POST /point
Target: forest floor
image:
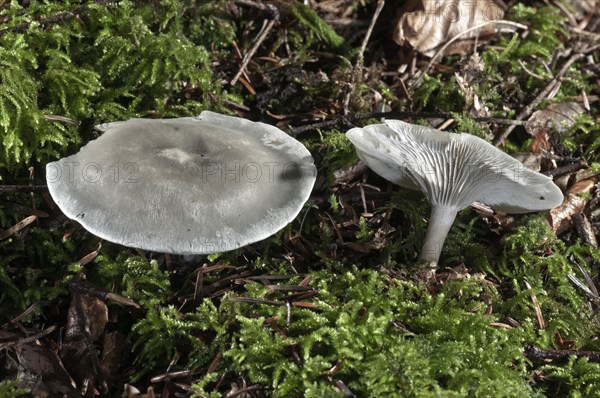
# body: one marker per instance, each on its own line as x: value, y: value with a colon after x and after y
x: 336, y: 304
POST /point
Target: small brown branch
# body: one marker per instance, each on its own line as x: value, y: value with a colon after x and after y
x: 22, y: 188
x: 534, y: 353
x: 27, y: 340
x: 350, y: 120
x: 17, y: 227
x: 262, y: 35
x: 87, y: 289
x: 537, y: 308
x: 585, y: 229
x: 530, y: 73
x: 360, y: 60
x: 567, y: 169
x: 358, y: 67
x: 528, y: 110
x: 21, y: 316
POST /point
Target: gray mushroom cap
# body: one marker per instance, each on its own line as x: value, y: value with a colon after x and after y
x: 452, y: 170
x: 194, y: 185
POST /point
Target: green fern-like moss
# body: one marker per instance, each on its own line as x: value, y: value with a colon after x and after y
x: 11, y: 389
x: 127, y: 59
x: 387, y: 338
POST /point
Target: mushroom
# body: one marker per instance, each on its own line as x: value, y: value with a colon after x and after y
x: 453, y: 171
x: 193, y: 185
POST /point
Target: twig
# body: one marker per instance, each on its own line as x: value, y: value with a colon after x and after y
x: 29, y: 339
x: 585, y: 229
x: 530, y: 73
x: 360, y: 60
x: 22, y: 188
x: 90, y: 290
x: 350, y: 120
x: 24, y: 209
x: 244, y: 391
x: 259, y: 39
x: 17, y: 227
x: 21, y: 316
x: 528, y: 110
x: 567, y: 169
x: 358, y: 67
x: 534, y: 353
x: 536, y: 307
x: 591, y: 49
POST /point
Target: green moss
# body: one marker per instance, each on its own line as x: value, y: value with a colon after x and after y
x: 364, y: 234
x: 164, y: 331
x: 125, y: 60
x: 577, y: 378
x: 315, y: 29
x: 132, y: 277
x: 11, y: 389
x: 332, y: 151
x: 33, y: 267
x: 585, y: 132
x: 386, y: 337
x: 440, y: 94
x: 533, y: 254
x: 465, y: 124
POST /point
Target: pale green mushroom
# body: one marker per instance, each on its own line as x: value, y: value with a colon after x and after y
x: 453, y: 171
x: 193, y: 185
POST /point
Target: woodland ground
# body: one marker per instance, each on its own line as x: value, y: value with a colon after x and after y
x: 333, y: 305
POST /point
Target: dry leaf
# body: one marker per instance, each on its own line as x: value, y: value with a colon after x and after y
x: 557, y: 117
x: 86, y: 320
x: 87, y: 317
x: 427, y: 25
x: 43, y: 362
x: 113, y: 347
x: 561, y: 217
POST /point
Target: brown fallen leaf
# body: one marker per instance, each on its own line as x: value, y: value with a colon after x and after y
x: 87, y: 317
x: 427, y: 25
x: 42, y: 361
x: 86, y: 321
x: 561, y: 217
x: 113, y: 346
x: 555, y: 118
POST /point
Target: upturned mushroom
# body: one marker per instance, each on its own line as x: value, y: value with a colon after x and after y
x: 453, y: 171
x: 193, y: 185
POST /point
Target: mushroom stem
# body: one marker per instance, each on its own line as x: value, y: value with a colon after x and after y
x: 440, y: 221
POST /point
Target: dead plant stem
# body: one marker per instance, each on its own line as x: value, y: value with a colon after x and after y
x: 358, y: 67
x: 262, y: 35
